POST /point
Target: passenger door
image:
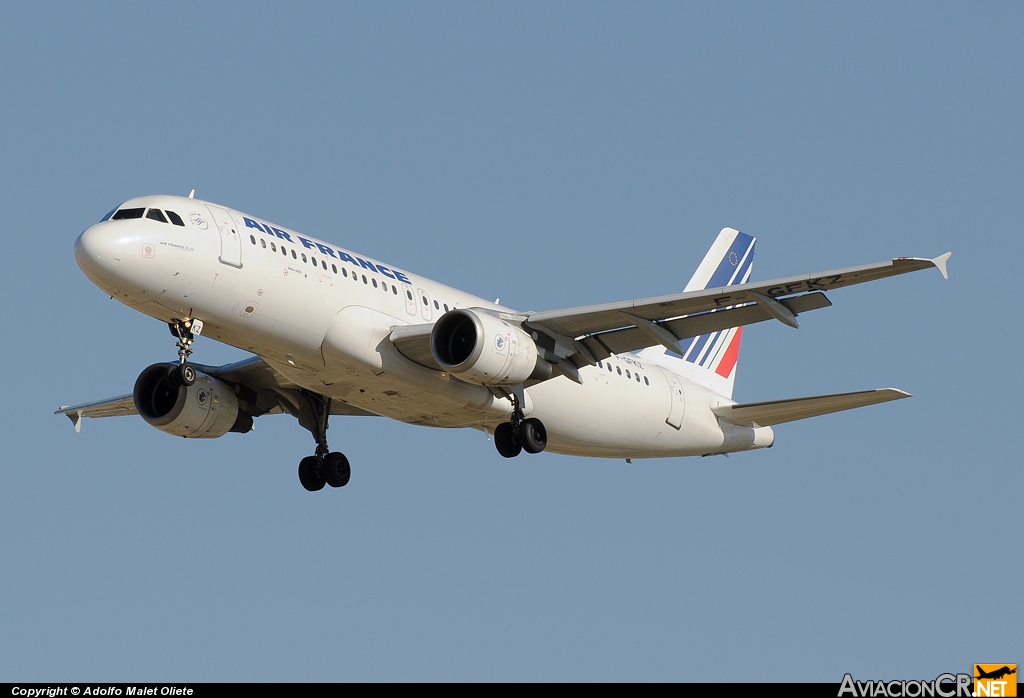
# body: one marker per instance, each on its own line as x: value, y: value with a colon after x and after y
x: 230, y: 240
x: 675, y: 409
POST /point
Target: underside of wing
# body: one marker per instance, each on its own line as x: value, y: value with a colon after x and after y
x: 258, y: 388
x: 114, y: 407
x: 629, y: 325
x: 766, y: 414
x: 413, y: 342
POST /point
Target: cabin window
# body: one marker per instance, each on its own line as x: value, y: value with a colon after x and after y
x: 446, y: 307
x: 409, y: 294
x: 375, y: 283
x: 394, y: 289
x: 425, y: 302
x: 294, y: 256
x: 126, y: 213
x: 638, y: 378
x: 323, y: 264
x: 600, y: 365
x: 618, y: 370
x: 156, y: 214
x: 273, y: 247
x: 646, y: 382
x: 627, y: 374
x: 175, y: 218
x: 364, y: 278
x: 609, y: 368
x: 252, y: 239
x: 334, y: 268
x: 303, y: 257
x: 263, y: 243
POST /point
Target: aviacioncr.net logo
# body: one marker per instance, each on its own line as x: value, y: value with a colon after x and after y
x: 944, y: 686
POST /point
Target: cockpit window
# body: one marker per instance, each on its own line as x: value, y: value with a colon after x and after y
x: 109, y: 214
x: 156, y: 214
x: 126, y: 213
x: 175, y: 218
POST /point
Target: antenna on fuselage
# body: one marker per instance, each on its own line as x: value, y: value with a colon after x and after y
x: 192, y: 194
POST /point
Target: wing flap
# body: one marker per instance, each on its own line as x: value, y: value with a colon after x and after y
x: 633, y: 338
x: 766, y: 414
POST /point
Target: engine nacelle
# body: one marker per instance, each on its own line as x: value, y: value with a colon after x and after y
x: 204, y: 410
x: 483, y: 349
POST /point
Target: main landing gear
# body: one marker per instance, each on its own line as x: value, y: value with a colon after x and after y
x: 323, y: 468
x: 513, y: 437
x: 186, y: 331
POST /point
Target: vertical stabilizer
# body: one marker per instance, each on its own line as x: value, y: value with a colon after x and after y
x: 711, y: 359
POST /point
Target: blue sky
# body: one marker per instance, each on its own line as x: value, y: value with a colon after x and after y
x: 552, y: 155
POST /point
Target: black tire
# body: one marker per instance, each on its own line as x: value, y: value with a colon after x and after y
x: 507, y: 445
x: 533, y: 435
x: 336, y: 469
x: 187, y: 374
x: 308, y: 475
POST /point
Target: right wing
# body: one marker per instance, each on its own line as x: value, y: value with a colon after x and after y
x: 765, y: 414
x: 115, y: 407
x: 259, y: 388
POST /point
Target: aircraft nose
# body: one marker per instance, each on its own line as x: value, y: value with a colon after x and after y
x: 99, y: 250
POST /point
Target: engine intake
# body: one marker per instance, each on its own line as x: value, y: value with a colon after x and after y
x: 205, y: 410
x: 486, y: 350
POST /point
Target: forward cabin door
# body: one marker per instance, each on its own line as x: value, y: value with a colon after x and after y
x: 230, y: 240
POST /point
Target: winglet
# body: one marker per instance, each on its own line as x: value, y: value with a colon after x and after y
x: 940, y: 262
x: 76, y: 419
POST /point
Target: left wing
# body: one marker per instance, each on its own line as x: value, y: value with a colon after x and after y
x: 590, y: 333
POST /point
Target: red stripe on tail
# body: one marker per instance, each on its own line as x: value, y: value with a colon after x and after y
x: 728, y: 362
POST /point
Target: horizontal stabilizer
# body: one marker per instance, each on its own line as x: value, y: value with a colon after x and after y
x: 765, y: 414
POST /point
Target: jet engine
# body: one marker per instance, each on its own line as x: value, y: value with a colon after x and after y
x: 204, y: 410
x: 483, y: 349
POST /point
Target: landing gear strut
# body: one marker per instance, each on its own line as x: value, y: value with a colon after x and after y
x: 513, y: 437
x: 186, y: 331
x: 323, y: 468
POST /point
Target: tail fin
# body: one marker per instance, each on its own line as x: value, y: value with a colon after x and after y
x: 710, y: 359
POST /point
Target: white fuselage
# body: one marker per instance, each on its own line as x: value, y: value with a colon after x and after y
x: 321, y: 316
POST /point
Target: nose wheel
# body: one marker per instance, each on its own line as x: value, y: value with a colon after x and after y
x: 324, y: 467
x: 518, y: 434
x: 186, y: 331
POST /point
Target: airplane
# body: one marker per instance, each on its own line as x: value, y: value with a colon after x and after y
x: 334, y: 333
x: 996, y: 674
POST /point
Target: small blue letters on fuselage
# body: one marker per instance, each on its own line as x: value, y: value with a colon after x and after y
x: 340, y: 255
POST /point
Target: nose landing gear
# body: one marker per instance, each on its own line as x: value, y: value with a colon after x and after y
x: 186, y: 331
x: 325, y: 467
x: 517, y: 435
